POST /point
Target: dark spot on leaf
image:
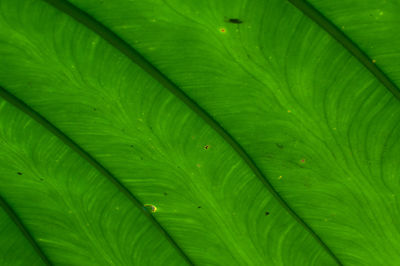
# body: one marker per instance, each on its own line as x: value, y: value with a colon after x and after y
x: 266, y: 213
x: 206, y: 147
x: 19, y: 173
x: 199, y: 207
x: 41, y: 179
x: 94, y: 109
x: 165, y: 193
x: 280, y: 146
x: 235, y: 21
x: 131, y: 146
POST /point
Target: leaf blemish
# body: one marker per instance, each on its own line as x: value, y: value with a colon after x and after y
x: 19, y: 173
x: 266, y: 213
x: 199, y: 207
x: 206, y: 147
x: 235, y: 21
x: 150, y: 207
x: 280, y: 146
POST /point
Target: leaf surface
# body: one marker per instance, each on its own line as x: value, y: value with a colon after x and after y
x: 168, y: 133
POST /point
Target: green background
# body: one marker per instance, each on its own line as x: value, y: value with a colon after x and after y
x: 274, y: 141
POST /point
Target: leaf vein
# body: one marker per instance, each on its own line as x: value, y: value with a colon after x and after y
x: 121, y: 45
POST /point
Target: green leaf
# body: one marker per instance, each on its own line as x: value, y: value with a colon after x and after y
x: 175, y: 132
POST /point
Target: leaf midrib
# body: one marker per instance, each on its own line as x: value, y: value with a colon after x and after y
x: 20, y: 105
x: 310, y: 11
x: 118, y: 43
x: 25, y: 232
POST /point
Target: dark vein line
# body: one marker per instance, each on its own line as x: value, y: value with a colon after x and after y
x: 347, y: 43
x: 109, y: 36
x: 17, y: 221
x: 86, y: 156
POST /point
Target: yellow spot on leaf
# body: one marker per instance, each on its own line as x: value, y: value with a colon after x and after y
x: 373, y: 61
x: 150, y: 207
x: 280, y: 177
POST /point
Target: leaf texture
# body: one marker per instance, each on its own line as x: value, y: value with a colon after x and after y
x: 161, y: 133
